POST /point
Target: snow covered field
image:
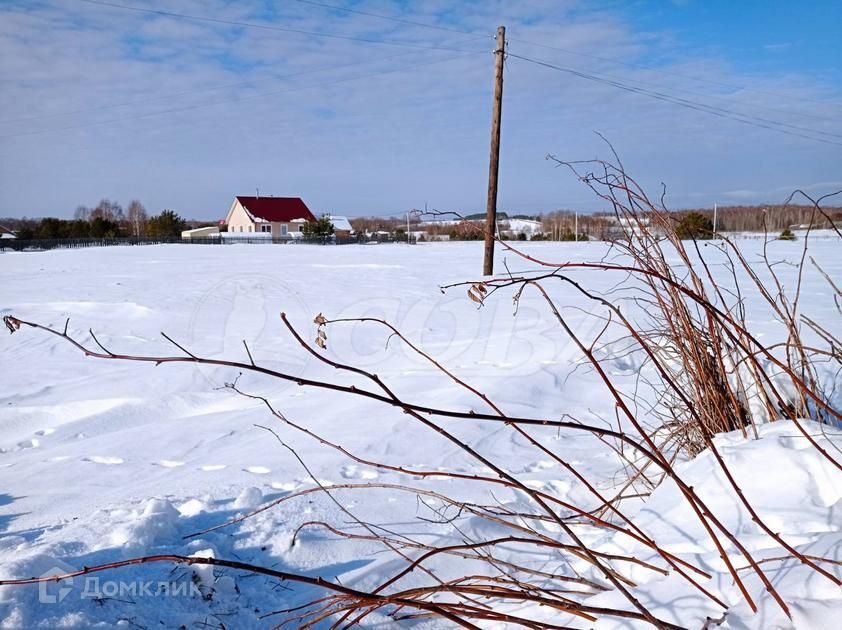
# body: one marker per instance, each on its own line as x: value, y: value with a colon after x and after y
x: 105, y: 460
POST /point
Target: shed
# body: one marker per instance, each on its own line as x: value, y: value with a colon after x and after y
x: 202, y: 232
x: 341, y: 225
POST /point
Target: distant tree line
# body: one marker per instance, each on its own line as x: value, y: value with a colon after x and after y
x: 772, y: 218
x: 559, y: 225
x: 106, y: 220
x: 367, y: 225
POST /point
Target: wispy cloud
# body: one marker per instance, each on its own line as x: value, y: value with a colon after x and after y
x: 100, y: 101
x: 779, y: 193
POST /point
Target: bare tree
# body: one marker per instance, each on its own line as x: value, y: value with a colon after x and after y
x: 82, y: 213
x: 107, y: 209
x: 136, y: 215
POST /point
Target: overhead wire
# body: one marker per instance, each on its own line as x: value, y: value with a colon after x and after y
x: 617, y: 61
x: 793, y: 130
x: 334, y: 7
x: 192, y: 92
x: 758, y: 121
x: 650, y: 68
x: 231, y: 85
x: 233, y: 100
x: 269, y: 27
x: 729, y: 100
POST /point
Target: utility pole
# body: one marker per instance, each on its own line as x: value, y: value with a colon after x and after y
x: 714, y: 219
x: 494, y: 162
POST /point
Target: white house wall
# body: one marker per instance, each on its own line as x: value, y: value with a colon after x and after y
x: 239, y: 220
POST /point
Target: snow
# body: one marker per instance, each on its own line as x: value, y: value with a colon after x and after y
x: 527, y: 226
x: 340, y: 222
x: 233, y: 236
x: 201, y: 232
x: 103, y: 460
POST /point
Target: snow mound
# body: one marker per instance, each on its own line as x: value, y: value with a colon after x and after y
x: 794, y: 489
x: 248, y: 499
x: 156, y: 524
x: 791, y: 485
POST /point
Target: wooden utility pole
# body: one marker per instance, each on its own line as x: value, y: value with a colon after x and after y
x: 494, y: 162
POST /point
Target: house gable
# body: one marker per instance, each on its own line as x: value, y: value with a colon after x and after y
x: 239, y: 219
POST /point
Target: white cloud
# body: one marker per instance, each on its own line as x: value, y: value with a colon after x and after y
x: 103, y: 102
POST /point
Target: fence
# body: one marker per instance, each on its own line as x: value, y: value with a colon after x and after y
x: 44, y: 244
x: 20, y: 245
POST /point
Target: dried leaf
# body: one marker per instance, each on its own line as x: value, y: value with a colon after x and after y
x: 320, y: 319
x: 12, y: 323
x: 321, y: 343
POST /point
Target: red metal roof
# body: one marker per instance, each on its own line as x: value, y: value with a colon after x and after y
x: 277, y: 209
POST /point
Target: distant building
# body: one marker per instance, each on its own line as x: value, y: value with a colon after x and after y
x: 341, y: 226
x: 275, y: 217
x: 514, y: 227
x: 6, y: 232
x: 623, y: 227
x: 202, y: 232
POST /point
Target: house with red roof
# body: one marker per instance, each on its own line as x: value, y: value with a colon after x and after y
x: 275, y: 217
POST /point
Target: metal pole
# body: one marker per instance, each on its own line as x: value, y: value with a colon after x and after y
x: 714, y: 219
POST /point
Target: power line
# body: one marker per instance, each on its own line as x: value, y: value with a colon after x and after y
x: 724, y: 110
x: 675, y: 99
x: 679, y: 75
x: 702, y: 107
x: 270, y: 27
x: 233, y: 100
x: 724, y: 99
x: 200, y: 90
x: 386, y: 17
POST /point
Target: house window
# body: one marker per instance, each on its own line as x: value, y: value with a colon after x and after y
x: 284, y: 230
x: 265, y: 228
x: 241, y: 228
x: 251, y: 228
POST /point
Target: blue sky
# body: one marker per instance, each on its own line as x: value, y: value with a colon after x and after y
x: 101, y: 101
x: 767, y: 36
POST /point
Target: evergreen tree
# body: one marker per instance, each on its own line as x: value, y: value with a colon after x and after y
x: 166, y: 225
x: 694, y: 225
x: 321, y: 228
